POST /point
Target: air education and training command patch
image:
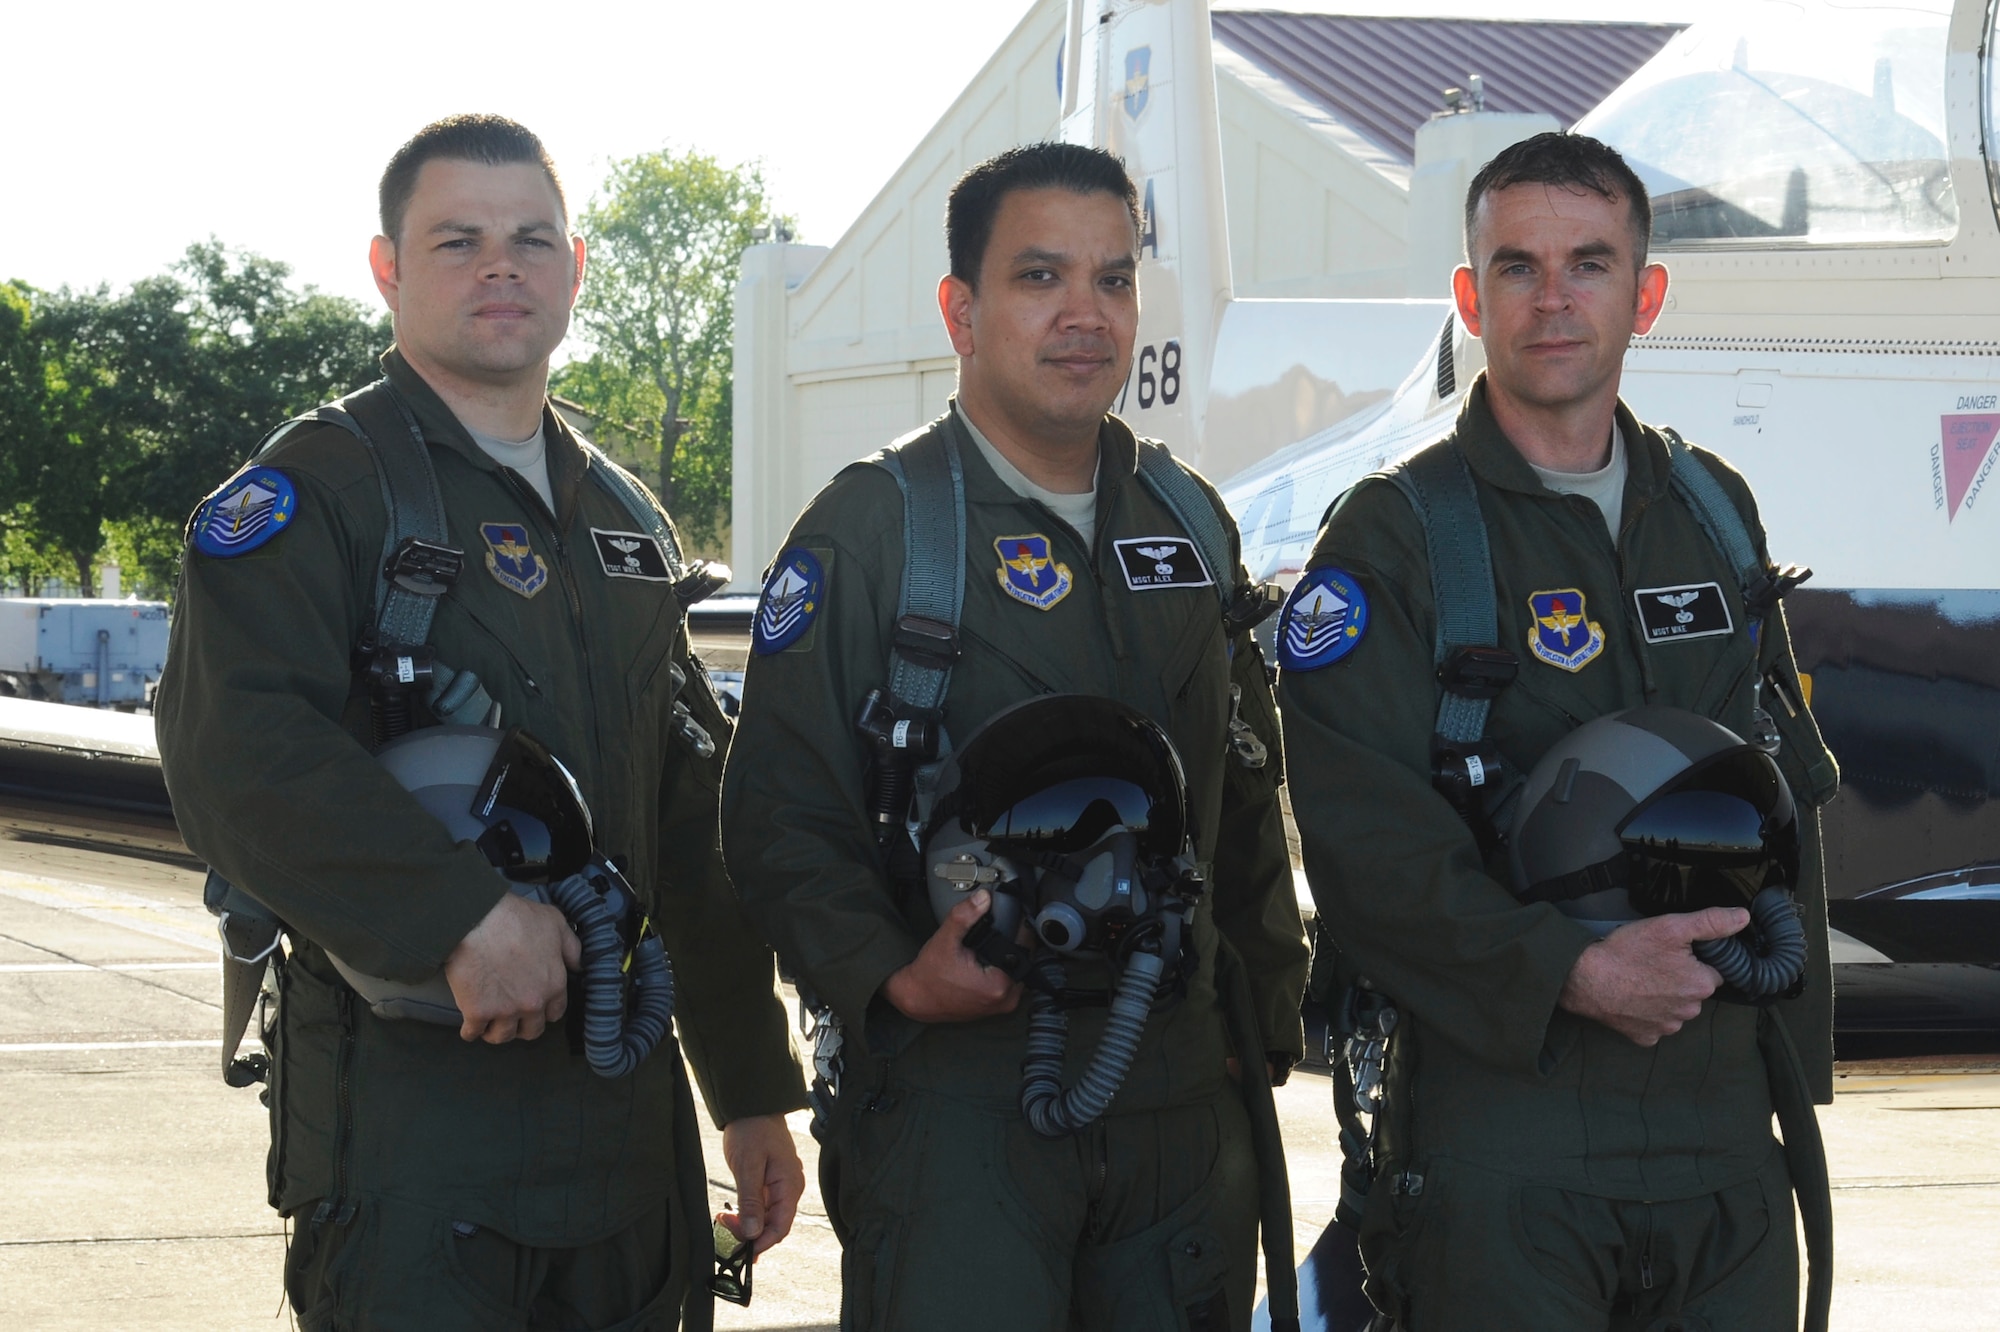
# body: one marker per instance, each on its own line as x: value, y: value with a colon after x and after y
x: 1324, y: 620
x: 1029, y: 573
x: 793, y: 596
x: 509, y: 560
x: 247, y: 512
x: 1562, y: 633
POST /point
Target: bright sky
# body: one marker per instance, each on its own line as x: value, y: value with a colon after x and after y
x: 134, y: 129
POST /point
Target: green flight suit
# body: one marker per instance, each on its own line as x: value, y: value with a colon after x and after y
x: 1515, y: 1131
x: 952, y: 1212
x: 399, y: 1128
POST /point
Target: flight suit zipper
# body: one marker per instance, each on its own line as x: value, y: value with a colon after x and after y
x: 574, y: 597
x: 336, y: 1207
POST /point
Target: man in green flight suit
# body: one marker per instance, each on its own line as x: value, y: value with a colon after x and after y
x: 1576, y: 1134
x: 952, y: 1211
x: 483, y: 1177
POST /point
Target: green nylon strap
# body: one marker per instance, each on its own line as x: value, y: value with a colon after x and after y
x: 931, y: 476
x: 1712, y: 508
x: 1173, y: 487
x: 1439, y: 486
x: 411, y: 501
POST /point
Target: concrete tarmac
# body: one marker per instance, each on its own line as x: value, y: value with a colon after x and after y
x: 132, y: 1179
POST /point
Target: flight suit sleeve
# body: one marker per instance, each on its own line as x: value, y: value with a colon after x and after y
x: 1256, y: 905
x: 1814, y: 777
x: 267, y: 784
x: 1395, y: 873
x: 732, y: 1021
x: 795, y: 826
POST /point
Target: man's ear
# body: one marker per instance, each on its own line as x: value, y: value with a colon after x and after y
x: 1465, y: 293
x: 382, y: 263
x: 955, y: 297
x: 1652, y: 298
x: 576, y: 284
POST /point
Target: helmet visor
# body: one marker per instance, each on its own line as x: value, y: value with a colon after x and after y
x: 1714, y: 837
x: 526, y: 779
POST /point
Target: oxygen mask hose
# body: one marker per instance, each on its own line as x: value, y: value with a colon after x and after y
x: 1052, y: 1110
x: 1777, y: 961
x: 613, y: 1043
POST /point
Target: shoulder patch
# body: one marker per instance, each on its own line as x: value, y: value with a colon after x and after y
x: 794, y: 594
x: 248, y: 511
x: 1325, y: 618
x: 1029, y: 572
x: 1560, y: 631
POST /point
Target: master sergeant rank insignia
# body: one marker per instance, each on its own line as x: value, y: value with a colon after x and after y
x: 1562, y: 633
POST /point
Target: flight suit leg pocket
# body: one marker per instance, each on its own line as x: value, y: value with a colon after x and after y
x: 1394, y: 1225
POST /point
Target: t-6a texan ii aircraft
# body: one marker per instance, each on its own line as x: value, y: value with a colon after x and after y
x: 1824, y: 184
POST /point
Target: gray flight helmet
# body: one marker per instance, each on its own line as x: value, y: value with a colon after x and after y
x: 504, y: 792
x: 1648, y: 811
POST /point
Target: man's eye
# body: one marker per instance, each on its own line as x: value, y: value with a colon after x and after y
x: 1118, y: 281
x: 536, y: 241
x: 1039, y: 275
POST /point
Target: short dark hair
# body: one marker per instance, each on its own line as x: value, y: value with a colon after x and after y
x: 491, y: 140
x: 975, y: 199
x: 1573, y: 162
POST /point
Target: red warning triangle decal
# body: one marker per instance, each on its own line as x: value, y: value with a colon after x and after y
x: 1967, y: 442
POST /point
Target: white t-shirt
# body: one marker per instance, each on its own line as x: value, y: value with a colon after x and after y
x: 1604, y: 487
x: 528, y: 457
x: 1079, y: 511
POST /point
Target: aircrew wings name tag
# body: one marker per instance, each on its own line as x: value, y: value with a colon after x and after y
x: 630, y: 555
x: 1692, y: 610
x: 1166, y: 561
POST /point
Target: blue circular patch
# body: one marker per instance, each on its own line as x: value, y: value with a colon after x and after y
x: 248, y: 511
x: 1324, y: 620
x: 793, y: 597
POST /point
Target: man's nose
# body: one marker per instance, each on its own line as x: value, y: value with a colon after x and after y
x: 497, y: 264
x: 1085, y: 308
x: 1552, y: 292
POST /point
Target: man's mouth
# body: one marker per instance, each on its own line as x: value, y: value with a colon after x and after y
x: 501, y: 310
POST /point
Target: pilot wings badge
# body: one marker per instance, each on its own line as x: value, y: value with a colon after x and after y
x: 248, y: 511
x: 1562, y: 633
x: 1324, y: 620
x: 794, y: 593
x: 1029, y: 573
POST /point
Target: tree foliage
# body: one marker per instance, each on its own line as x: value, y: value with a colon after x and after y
x: 664, y: 241
x: 119, y: 412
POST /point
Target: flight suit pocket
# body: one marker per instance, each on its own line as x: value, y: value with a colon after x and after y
x: 1395, y: 1225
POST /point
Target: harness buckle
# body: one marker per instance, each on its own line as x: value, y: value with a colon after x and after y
x: 925, y: 642
x: 1478, y: 672
x: 424, y: 568
x: 1250, y: 605
x: 1768, y: 588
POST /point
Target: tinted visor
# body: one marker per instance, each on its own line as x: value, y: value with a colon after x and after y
x: 1053, y: 773
x: 525, y: 778
x: 1716, y: 836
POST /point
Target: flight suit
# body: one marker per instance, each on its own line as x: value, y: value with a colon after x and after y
x: 435, y: 1183
x: 1540, y: 1170
x: 952, y: 1212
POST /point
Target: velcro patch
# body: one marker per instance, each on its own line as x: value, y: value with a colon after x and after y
x: 794, y: 594
x: 247, y: 512
x: 631, y: 555
x: 1691, y: 610
x: 1163, y: 561
x: 1323, y: 620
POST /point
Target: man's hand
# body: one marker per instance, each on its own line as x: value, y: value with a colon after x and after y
x: 510, y: 975
x: 1643, y: 980
x: 948, y: 982
x: 769, y: 1179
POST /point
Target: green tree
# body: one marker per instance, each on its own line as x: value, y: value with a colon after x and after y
x: 155, y: 395
x: 657, y: 304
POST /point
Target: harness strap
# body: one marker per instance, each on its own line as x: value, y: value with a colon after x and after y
x: 931, y: 476
x: 622, y: 486
x: 1173, y: 487
x: 1439, y: 486
x: 1712, y: 508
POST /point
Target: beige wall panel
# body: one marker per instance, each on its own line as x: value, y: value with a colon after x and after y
x: 841, y: 420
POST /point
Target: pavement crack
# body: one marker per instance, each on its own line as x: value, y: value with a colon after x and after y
x: 78, y: 1240
x: 139, y: 977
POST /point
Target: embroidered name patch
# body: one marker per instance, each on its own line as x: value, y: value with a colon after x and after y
x: 1324, y: 619
x: 1563, y: 634
x: 1692, y: 610
x: 630, y: 555
x: 247, y: 512
x: 793, y: 595
x: 508, y: 559
x: 1029, y: 573
x: 1167, y: 561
